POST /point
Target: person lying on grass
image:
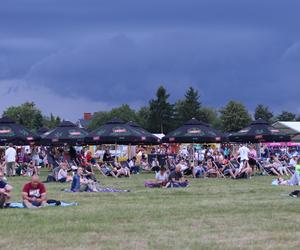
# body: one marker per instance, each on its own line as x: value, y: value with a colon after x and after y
x: 176, y: 178
x: 5, y: 190
x: 34, y: 193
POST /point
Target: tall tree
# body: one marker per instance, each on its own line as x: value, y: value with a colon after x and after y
x: 208, y: 115
x: 286, y: 116
x: 51, y: 122
x: 263, y: 112
x: 161, y: 112
x: 234, y: 117
x: 189, y: 107
x: 26, y: 114
x: 124, y: 112
x: 143, y: 117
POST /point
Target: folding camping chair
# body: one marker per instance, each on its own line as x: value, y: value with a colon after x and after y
x: 218, y: 170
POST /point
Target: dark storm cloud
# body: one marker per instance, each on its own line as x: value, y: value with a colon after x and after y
x: 121, y: 51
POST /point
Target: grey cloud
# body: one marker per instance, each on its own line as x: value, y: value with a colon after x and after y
x: 121, y: 51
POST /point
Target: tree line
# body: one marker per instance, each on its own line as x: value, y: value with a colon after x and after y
x: 160, y: 115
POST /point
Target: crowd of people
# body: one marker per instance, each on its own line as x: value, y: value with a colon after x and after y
x: 81, y: 168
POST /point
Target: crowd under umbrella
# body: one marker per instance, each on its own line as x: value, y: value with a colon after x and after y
x: 11, y: 132
x: 259, y: 131
x: 194, y: 131
x: 147, y: 137
x: 116, y: 131
x: 65, y: 133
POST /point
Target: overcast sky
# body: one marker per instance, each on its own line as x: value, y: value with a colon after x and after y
x: 71, y: 56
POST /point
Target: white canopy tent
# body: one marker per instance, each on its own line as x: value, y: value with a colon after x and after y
x: 290, y: 128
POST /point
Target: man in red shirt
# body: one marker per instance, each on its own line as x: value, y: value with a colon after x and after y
x: 34, y: 193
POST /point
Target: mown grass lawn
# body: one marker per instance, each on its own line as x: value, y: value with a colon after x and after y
x: 210, y: 214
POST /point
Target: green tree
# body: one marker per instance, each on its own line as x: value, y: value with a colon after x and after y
x: 51, y: 122
x: 124, y: 112
x: 26, y: 114
x: 189, y: 107
x: 208, y: 115
x: 234, y: 117
x: 143, y: 117
x: 263, y: 112
x: 161, y: 112
x: 286, y: 116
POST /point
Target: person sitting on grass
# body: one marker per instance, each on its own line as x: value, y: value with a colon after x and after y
x: 105, y: 170
x: 279, y: 166
x: 81, y: 184
x: 34, y: 193
x: 5, y: 190
x: 161, y: 179
x: 199, y: 170
x: 31, y: 169
x: 211, y: 170
x: 228, y: 170
x: 295, y: 179
x: 176, y: 178
x: 120, y: 170
x: 62, y: 175
x: 272, y: 167
x: 134, y: 169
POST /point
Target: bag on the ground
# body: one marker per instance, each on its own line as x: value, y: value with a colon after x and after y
x: 295, y: 194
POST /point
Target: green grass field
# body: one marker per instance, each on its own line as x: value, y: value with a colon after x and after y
x: 210, y: 214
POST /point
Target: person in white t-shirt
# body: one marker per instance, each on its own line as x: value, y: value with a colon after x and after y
x: 243, y: 154
x: 62, y: 175
x: 293, y: 161
x: 10, y: 159
x: 161, y: 176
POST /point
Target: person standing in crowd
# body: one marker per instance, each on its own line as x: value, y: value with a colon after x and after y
x: 10, y: 159
x: 34, y: 193
x: 243, y: 154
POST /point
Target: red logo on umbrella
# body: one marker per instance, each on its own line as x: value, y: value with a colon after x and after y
x: 5, y: 131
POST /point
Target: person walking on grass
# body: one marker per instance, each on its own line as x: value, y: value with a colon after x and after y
x: 10, y: 159
x: 34, y: 193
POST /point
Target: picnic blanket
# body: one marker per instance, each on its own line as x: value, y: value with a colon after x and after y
x: 62, y: 204
x: 102, y: 190
x: 151, y: 184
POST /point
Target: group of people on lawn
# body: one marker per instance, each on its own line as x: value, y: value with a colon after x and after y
x: 78, y: 169
x: 33, y: 193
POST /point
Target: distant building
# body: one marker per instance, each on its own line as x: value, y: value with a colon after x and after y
x: 290, y: 128
x: 85, y: 122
